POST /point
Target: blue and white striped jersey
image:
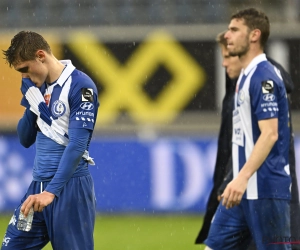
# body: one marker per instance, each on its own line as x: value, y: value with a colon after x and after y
x: 73, y: 103
x: 261, y: 95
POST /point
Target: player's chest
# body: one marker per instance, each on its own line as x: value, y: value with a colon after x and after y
x: 56, y: 98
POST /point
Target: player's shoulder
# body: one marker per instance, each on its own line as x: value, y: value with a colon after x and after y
x: 81, y: 80
x: 80, y: 77
x: 266, y: 71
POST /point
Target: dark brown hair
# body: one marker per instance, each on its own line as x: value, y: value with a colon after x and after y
x: 24, y: 46
x: 255, y: 19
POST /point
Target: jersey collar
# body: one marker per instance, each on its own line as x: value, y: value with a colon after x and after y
x: 256, y: 60
x: 66, y: 72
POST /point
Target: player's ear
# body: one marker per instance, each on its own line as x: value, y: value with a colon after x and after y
x: 255, y: 35
x: 40, y: 55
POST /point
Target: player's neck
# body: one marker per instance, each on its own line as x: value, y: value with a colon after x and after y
x: 249, y: 56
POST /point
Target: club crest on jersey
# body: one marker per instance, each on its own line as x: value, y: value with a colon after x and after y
x: 267, y: 87
x: 58, y: 108
x: 87, y: 95
x: 241, y: 97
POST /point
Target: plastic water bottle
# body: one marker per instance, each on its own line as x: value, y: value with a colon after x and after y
x: 25, y: 223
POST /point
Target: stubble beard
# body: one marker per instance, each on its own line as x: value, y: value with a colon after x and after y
x: 241, y: 51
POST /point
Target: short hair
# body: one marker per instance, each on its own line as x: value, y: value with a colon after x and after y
x: 221, y: 38
x: 24, y: 46
x: 255, y: 19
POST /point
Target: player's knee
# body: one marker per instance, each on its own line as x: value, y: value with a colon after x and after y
x: 207, y: 248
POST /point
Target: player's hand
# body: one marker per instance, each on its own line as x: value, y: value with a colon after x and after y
x: 234, y: 191
x: 37, y: 201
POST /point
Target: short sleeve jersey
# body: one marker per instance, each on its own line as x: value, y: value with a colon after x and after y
x: 261, y: 95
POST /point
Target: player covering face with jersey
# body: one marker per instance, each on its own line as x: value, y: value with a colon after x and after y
x: 61, y: 109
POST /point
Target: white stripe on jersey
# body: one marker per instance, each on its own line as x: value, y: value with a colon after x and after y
x: 246, y: 118
x: 245, y: 113
x: 235, y: 160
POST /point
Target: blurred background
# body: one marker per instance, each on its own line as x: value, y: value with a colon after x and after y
x: 160, y: 81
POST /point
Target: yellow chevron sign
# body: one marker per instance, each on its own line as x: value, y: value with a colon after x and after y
x: 123, y: 83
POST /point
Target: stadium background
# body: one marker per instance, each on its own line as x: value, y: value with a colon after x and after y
x: 160, y: 80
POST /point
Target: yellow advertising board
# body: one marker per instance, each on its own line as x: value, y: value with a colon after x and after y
x: 123, y: 83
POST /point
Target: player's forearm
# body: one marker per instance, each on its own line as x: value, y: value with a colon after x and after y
x: 261, y: 150
x: 66, y: 169
x: 27, y: 128
x: 70, y: 160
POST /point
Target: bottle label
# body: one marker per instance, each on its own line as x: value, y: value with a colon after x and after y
x: 25, y: 223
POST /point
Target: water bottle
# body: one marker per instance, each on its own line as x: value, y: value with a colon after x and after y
x: 24, y: 223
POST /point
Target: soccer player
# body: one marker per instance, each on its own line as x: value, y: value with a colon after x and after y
x: 255, y: 204
x: 233, y: 67
x: 61, y: 109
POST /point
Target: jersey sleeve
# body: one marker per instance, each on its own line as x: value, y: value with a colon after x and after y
x: 84, y: 105
x: 27, y: 128
x: 264, y: 98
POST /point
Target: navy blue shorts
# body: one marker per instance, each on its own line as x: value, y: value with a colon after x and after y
x: 68, y: 222
x: 266, y: 221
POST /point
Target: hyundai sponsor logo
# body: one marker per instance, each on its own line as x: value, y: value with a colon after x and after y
x: 87, y: 106
x: 269, y: 97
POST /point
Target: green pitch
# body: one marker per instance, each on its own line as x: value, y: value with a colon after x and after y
x: 132, y: 232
